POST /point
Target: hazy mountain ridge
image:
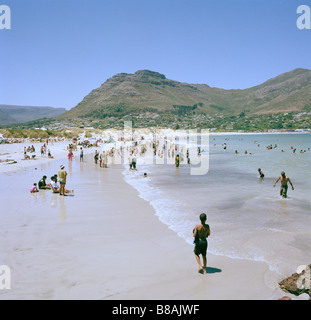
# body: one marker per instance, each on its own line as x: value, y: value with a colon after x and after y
x: 10, y: 114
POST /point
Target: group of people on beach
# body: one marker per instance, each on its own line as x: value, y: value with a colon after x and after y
x: 101, y: 158
x: 27, y: 157
x: 202, y: 231
x: 30, y: 149
x: 43, y: 151
x: 53, y: 185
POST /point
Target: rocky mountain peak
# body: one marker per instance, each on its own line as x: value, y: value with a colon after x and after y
x: 148, y: 73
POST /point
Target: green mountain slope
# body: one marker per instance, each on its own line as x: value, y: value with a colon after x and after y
x: 150, y: 91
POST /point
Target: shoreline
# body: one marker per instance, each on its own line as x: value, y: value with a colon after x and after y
x: 147, y: 260
x: 244, y: 271
x: 254, y: 133
x: 226, y: 279
x: 123, y: 252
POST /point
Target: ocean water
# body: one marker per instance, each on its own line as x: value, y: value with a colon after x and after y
x: 247, y: 216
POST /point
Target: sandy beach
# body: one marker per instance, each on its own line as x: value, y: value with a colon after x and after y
x: 12, y: 155
x: 155, y: 151
x: 106, y: 242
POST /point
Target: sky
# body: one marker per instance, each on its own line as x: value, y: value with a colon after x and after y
x: 58, y: 51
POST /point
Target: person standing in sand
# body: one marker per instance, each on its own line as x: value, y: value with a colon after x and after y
x: 133, y: 161
x: 96, y: 156
x: 284, y: 180
x: 62, y: 174
x: 70, y: 155
x: 177, y: 161
x: 200, y: 234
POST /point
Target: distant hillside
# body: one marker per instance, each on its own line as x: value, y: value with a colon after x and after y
x: 289, y: 92
x: 6, y: 119
x: 20, y: 114
x: 148, y: 91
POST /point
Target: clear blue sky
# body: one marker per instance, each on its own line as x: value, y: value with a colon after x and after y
x: 59, y: 50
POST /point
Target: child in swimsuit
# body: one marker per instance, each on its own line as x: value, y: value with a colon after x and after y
x: 34, y: 188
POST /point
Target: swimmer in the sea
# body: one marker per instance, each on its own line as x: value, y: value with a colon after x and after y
x: 284, y: 187
x: 261, y: 174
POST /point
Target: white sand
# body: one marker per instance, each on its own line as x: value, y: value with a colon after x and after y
x: 15, y: 152
x: 106, y: 243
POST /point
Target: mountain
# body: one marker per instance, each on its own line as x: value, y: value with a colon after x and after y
x: 289, y: 92
x: 151, y: 91
x: 20, y: 114
x: 143, y: 91
x: 5, y: 119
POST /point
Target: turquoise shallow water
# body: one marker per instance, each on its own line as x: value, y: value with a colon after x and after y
x: 247, y: 217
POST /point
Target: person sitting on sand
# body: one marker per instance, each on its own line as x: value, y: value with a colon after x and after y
x: 34, y: 188
x: 200, y: 234
x: 26, y: 156
x: 284, y: 180
x: 50, y: 155
x: 42, y: 184
x: 55, y: 186
x: 55, y: 176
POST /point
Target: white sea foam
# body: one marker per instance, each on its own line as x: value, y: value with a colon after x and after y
x: 247, y: 217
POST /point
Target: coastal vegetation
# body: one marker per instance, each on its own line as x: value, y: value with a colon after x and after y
x: 243, y: 122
